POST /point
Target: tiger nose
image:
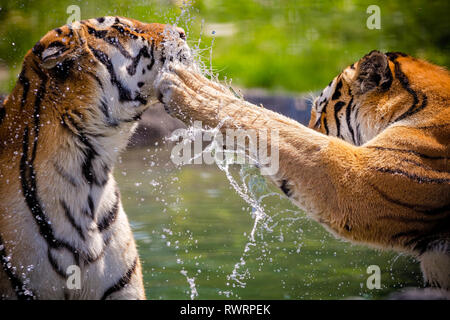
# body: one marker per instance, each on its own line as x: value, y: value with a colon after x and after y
x: 181, y: 33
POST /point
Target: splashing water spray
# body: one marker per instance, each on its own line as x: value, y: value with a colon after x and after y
x: 250, y: 185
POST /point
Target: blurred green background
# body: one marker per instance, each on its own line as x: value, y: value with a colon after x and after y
x: 189, y: 219
x: 283, y: 45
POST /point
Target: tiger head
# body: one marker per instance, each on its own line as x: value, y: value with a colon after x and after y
x: 98, y: 74
x: 372, y: 94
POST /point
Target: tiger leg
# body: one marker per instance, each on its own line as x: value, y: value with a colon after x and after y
x: 435, y: 265
x: 132, y: 290
x: 356, y: 192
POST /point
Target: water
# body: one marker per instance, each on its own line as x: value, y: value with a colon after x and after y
x: 277, y: 259
x: 242, y: 239
x: 192, y: 230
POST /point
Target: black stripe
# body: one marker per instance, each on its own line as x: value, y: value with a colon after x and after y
x: 127, y: 32
x: 29, y: 187
x: 435, y: 126
x: 421, y: 244
x: 317, y: 122
x: 2, y: 112
x: 116, y: 43
x: 70, y: 34
x: 95, y: 77
x: 71, y: 219
x: 110, y: 217
x: 136, y: 117
x: 414, y: 177
x: 57, y: 43
x: 394, y: 55
x: 110, y: 121
x: 405, y: 234
x: 55, y: 265
x: 65, y: 175
x: 29, y: 190
x: 405, y: 84
x: 20, y: 289
x: 91, y: 206
x: 420, y: 208
x: 90, y: 153
x: 88, y: 213
x: 131, y: 69
x: 28, y: 176
x: 96, y: 33
x: 391, y: 218
x: 325, y: 125
x: 37, y: 49
x: 412, y: 152
x: 152, y: 62
x: 412, y: 111
x: 124, y: 92
x: 104, y: 109
x: 285, y: 188
x: 62, y: 70
x: 422, y: 240
x: 324, y: 116
x: 337, y: 91
x: 120, y: 24
x: 123, y: 281
x: 348, y: 120
x: 26, y: 87
x: 424, y: 166
x: 338, y: 107
x: 357, y: 138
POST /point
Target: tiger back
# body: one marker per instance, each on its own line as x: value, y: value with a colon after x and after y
x: 397, y: 108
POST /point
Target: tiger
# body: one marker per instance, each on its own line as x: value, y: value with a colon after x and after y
x: 372, y: 166
x: 78, y: 98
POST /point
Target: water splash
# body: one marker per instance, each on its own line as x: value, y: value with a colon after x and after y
x: 192, y: 285
x: 248, y: 184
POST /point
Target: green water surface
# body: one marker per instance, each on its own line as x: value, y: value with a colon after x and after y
x: 191, y: 220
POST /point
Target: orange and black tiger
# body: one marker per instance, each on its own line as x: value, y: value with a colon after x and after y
x: 373, y: 166
x: 76, y: 103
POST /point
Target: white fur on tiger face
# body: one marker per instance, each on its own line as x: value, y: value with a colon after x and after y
x: 77, y: 101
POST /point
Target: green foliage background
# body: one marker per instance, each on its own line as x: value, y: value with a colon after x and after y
x: 287, y: 45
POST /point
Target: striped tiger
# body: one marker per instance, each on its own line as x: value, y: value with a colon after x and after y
x: 78, y: 98
x: 373, y: 165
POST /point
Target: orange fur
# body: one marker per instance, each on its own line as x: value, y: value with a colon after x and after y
x: 385, y: 181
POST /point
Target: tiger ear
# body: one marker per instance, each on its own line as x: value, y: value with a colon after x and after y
x: 57, y: 52
x: 373, y: 72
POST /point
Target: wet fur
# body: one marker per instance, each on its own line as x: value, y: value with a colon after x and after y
x: 76, y: 103
x: 373, y: 166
